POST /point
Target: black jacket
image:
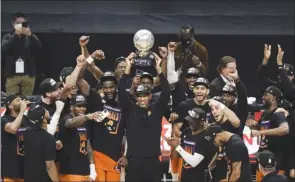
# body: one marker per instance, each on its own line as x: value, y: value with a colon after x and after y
x: 216, y: 86
x: 14, y: 46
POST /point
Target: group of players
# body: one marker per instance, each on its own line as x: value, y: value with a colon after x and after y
x: 112, y: 133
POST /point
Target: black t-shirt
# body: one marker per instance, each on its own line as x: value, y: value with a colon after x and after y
x: 73, y: 156
x: 39, y: 147
x: 270, y: 121
x: 277, y: 144
x: 10, y: 164
x: 144, y: 125
x: 187, y: 105
x: 274, y: 177
x: 236, y: 151
x: 196, y: 144
x: 227, y: 126
x: 106, y: 136
x: 221, y: 165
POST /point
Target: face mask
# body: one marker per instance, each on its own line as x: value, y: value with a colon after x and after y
x: 17, y: 26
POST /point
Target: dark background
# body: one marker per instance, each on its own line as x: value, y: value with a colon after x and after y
x: 61, y: 49
x: 226, y: 28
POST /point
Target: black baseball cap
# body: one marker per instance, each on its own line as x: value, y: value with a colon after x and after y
x: 196, y: 114
x: 230, y: 89
x: 202, y: 81
x: 289, y: 69
x: 266, y: 159
x: 142, y: 90
x: 147, y: 75
x: 193, y: 71
x: 66, y: 71
x: 108, y: 76
x: 274, y: 91
x: 49, y: 85
x: 36, y: 114
x: 10, y: 99
x: 78, y: 100
x: 211, y: 132
x: 119, y: 60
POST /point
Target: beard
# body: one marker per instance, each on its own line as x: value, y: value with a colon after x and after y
x: 110, y: 96
x: 267, y: 103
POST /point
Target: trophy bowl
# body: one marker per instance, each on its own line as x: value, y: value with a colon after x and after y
x: 143, y: 41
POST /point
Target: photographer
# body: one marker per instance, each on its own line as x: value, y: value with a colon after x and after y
x: 20, y: 47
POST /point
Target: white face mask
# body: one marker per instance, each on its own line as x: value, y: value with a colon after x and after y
x: 18, y: 26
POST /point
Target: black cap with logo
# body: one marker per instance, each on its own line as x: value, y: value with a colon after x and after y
x: 211, y: 132
x: 36, y: 114
x: 108, y: 76
x: 193, y: 71
x: 230, y: 89
x: 142, y: 90
x: 119, y: 60
x: 10, y: 99
x: 66, y: 71
x: 49, y: 85
x: 78, y: 100
x: 202, y: 81
x: 195, y: 115
x: 274, y: 91
x: 146, y: 75
x: 266, y: 159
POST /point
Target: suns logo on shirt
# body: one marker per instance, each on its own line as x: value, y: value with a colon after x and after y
x: 113, y: 120
x: 221, y: 152
x: 265, y: 125
x: 190, y: 148
x: 20, y: 147
x: 83, y: 140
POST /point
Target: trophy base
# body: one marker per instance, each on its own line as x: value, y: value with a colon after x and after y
x: 143, y: 53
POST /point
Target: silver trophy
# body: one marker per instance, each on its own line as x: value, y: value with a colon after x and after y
x: 143, y: 41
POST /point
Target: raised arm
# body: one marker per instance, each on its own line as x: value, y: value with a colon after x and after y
x: 124, y: 98
x: 164, y: 53
x: 12, y: 127
x: 286, y: 84
x: 8, y: 40
x: 52, y: 126
x: 230, y: 115
x: 165, y: 91
x: 242, y: 103
x: 71, y: 81
x: 35, y: 42
x: 92, y: 68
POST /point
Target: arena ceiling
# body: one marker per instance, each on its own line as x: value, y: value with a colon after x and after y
x: 208, y: 17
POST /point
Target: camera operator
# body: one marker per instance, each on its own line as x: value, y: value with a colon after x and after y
x: 20, y: 47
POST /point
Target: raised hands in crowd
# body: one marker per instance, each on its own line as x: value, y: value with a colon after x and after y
x: 91, y: 124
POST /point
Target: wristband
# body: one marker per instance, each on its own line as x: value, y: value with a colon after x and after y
x: 280, y: 66
x: 178, y: 148
x: 93, y: 174
x: 90, y: 59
